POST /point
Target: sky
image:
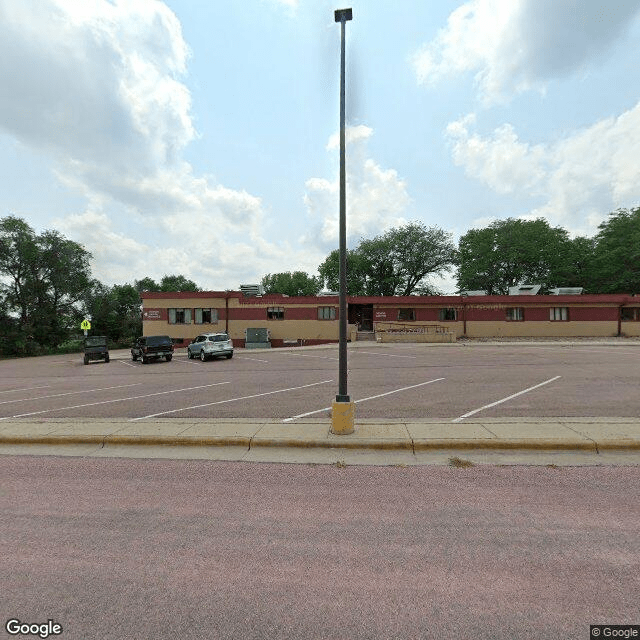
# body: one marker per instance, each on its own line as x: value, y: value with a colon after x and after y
x: 200, y: 137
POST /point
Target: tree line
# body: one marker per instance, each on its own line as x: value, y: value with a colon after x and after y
x: 46, y: 287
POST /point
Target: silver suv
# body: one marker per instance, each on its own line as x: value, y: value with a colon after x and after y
x: 210, y: 345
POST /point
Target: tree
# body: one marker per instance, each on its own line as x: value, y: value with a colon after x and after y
x: 177, y: 283
x: 511, y: 252
x: 46, y: 276
x: 146, y: 284
x: 616, y: 262
x: 297, y: 283
x: 395, y: 263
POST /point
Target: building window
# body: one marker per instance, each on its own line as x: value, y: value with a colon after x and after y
x: 406, y: 314
x: 515, y: 314
x: 629, y: 314
x: 448, y: 314
x: 206, y: 316
x: 559, y: 314
x: 179, y: 316
x: 275, y: 313
x: 326, y: 313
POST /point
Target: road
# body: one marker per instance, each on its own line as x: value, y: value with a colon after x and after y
x: 198, y: 549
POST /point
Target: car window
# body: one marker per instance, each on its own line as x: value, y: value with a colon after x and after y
x: 201, y: 338
x: 219, y: 338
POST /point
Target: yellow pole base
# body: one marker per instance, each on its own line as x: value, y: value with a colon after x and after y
x: 342, y: 417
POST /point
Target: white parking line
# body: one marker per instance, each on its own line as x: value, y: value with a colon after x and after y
x: 70, y: 393
x: 380, y: 395
x: 254, y: 359
x: 46, y: 386
x: 515, y: 395
x: 383, y: 355
x: 304, y: 355
x: 209, y: 404
x: 92, y: 404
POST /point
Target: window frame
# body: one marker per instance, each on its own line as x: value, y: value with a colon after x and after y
x: 201, y: 311
x: 326, y: 313
x: 516, y: 315
x: 275, y: 313
x: 445, y: 311
x: 554, y: 312
x: 179, y: 312
x: 407, y: 311
x: 634, y: 313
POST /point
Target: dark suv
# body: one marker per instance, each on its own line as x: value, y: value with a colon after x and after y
x: 96, y: 348
x: 151, y: 348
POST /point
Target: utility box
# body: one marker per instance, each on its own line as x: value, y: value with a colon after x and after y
x: 257, y: 338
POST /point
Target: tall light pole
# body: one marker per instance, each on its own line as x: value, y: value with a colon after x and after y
x: 343, y: 408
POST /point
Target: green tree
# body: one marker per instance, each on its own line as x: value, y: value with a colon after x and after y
x: 329, y: 272
x: 397, y: 262
x: 511, y: 252
x: 296, y: 283
x: 44, y: 279
x: 146, y: 284
x: 177, y: 283
x: 616, y: 262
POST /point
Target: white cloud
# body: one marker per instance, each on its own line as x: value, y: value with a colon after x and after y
x: 376, y: 197
x: 96, y: 86
x: 518, y: 45
x: 580, y: 178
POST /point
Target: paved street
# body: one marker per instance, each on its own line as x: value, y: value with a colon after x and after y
x: 114, y: 548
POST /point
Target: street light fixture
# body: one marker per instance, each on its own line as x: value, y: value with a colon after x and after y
x: 343, y: 407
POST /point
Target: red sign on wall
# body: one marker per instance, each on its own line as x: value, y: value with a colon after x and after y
x: 152, y: 314
x: 381, y: 315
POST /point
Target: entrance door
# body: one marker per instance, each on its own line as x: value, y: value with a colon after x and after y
x: 362, y: 316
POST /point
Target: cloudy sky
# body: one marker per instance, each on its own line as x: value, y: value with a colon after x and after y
x: 200, y: 137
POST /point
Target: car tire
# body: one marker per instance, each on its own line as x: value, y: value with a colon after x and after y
x: 229, y: 356
x: 106, y: 358
x: 189, y: 355
x: 145, y: 360
x: 202, y: 356
x: 169, y: 358
x: 86, y: 359
x: 134, y: 357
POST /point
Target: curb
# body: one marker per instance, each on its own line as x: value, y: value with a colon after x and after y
x: 498, y: 444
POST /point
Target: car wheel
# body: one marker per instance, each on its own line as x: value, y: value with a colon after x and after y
x: 106, y: 358
x: 202, y: 356
x: 86, y: 359
x: 145, y: 360
x: 134, y: 357
x: 229, y: 356
x: 169, y: 358
x: 189, y: 355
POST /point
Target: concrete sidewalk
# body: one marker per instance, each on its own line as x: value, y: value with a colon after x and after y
x: 534, y: 440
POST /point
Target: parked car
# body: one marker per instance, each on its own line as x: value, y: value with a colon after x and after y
x: 210, y: 345
x: 152, y: 348
x: 96, y: 348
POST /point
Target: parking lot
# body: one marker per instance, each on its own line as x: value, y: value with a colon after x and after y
x: 453, y: 382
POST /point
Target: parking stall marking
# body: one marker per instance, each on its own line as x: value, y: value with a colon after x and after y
x: 93, y: 404
x: 46, y: 386
x: 515, y: 395
x: 380, y: 395
x: 384, y: 355
x: 70, y: 393
x: 210, y: 404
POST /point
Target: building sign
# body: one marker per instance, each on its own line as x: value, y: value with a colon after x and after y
x: 152, y: 314
x: 381, y: 315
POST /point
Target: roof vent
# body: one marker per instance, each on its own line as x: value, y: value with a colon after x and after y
x: 525, y: 290
x: 252, y: 290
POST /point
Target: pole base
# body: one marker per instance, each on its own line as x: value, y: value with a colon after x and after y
x: 342, y: 417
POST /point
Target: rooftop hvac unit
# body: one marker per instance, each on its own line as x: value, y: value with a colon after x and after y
x: 473, y: 293
x: 525, y: 290
x: 252, y: 290
x: 566, y: 291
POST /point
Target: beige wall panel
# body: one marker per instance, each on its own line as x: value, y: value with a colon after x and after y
x: 488, y: 329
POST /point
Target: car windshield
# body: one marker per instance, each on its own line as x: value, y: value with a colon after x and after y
x: 220, y: 338
x: 96, y: 341
x: 156, y: 341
